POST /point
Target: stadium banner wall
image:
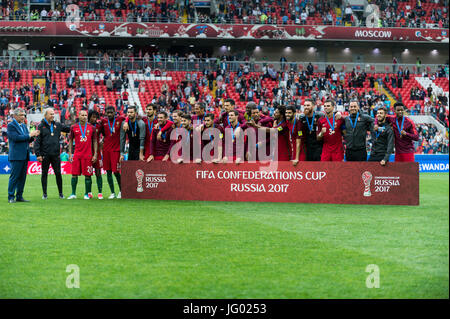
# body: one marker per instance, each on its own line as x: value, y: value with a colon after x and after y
x: 220, y: 31
x: 427, y: 164
x: 309, y: 182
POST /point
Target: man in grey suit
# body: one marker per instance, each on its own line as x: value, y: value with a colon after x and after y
x: 19, y: 153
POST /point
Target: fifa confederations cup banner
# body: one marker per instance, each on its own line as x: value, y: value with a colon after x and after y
x: 308, y: 182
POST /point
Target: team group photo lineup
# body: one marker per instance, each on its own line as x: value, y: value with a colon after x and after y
x: 224, y: 154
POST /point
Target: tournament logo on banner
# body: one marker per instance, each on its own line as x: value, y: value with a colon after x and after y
x: 367, y: 178
x: 140, y: 179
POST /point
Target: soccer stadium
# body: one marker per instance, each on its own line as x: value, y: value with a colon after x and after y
x: 224, y: 149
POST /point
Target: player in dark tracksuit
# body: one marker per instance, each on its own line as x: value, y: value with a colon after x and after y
x: 48, y: 149
x: 136, y: 136
x: 382, y: 139
x: 309, y: 122
x: 356, y: 127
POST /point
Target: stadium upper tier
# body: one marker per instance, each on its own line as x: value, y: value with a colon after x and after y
x: 176, y: 89
x: 392, y: 13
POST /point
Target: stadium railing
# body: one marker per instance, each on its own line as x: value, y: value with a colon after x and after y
x: 197, y: 64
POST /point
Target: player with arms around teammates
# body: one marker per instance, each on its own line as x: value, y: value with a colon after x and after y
x: 110, y: 129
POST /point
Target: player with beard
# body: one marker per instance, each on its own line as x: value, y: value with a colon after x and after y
x: 186, y: 124
x: 331, y: 131
x: 382, y: 139
x: 280, y: 124
x: 110, y: 129
x: 93, y: 117
x: 200, y: 113
x: 160, y: 148
x: 298, y: 152
x: 309, y: 119
x: 405, y: 134
x: 236, y: 149
x: 176, y: 117
x: 135, y: 134
x: 248, y: 110
x: 83, y: 134
x: 223, y: 119
x: 256, y: 119
x: 151, y: 122
x: 357, y: 125
x: 209, y: 124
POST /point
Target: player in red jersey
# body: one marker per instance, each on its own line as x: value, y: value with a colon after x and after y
x: 150, y: 123
x: 331, y: 131
x: 405, y: 134
x: 83, y: 134
x: 93, y: 117
x: 159, y: 148
x: 110, y: 129
x: 262, y: 142
x: 200, y: 113
x: 186, y: 122
x: 280, y: 125
x: 234, y: 151
x: 223, y: 119
x: 283, y: 143
x: 209, y: 135
x: 176, y: 117
x: 298, y: 152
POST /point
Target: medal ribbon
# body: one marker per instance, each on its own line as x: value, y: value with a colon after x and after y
x: 400, y: 128
x: 356, y: 121
x: 293, y: 127
x: 51, y: 126
x: 234, y: 130
x: 150, y: 128
x: 279, y: 124
x: 311, y: 127
x: 332, y: 127
x: 377, y: 134
x: 111, y: 129
x: 83, y: 133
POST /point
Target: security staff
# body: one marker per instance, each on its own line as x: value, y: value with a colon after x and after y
x: 47, y: 149
x: 19, y: 153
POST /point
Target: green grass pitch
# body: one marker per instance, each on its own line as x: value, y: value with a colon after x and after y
x: 183, y: 249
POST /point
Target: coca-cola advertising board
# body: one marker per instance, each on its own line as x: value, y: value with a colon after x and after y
x: 35, y: 168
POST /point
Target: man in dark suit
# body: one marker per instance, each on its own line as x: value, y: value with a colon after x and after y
x: 19, y: 154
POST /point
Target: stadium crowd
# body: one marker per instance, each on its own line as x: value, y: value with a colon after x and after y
x: 393, y: 13
x: 267, y: 88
